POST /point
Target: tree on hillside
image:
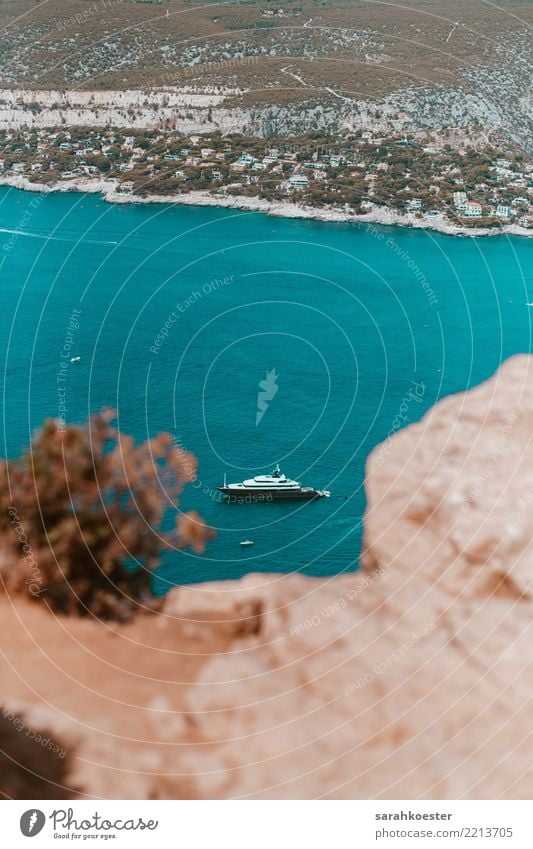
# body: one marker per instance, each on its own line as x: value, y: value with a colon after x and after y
x: 82, y: 515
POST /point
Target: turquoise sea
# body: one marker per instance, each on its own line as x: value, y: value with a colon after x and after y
x: 182, y: 313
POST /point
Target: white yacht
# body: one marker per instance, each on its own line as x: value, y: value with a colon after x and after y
x: 270, y: 487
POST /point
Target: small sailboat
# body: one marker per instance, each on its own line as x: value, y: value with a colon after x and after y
x: 247, y: 542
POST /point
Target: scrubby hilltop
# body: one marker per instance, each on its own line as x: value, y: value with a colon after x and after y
x: 282, y: 68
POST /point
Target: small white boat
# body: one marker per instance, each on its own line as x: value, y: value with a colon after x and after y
x: 75, y: 359
x: 529, y: 303
x: 247, y: 542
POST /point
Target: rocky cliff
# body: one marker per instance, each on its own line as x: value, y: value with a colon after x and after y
x: 205, y: 109
x: 409, y: 679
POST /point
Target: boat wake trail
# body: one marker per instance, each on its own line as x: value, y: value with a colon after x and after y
x: 47, y: 238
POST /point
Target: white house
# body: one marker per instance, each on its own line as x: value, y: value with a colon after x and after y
x: 459, y: 199
x: 126, y: 187
x: 245, y: 159
x: 503, y: 173
x: 472, y: 209
x: 414, y: 205
x: 503, y: 211
x: 299, y: 181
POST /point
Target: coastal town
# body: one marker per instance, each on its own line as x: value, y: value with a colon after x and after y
x: 427, y: 176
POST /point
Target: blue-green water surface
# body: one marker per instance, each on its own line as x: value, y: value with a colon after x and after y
x: 182, y: 313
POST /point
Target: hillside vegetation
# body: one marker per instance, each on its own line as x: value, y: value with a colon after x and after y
x: 443, y: 61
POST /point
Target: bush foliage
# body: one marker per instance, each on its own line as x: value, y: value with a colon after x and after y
x: 82, y: 516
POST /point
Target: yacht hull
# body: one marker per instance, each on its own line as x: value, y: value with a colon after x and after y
x: 261, y: 495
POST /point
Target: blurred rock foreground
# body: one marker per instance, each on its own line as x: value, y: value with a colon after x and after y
x: 409, y: 679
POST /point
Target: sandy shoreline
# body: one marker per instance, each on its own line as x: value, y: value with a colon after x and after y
x: 285, y: 209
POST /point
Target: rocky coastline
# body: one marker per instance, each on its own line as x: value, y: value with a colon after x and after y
x: 285, y: 209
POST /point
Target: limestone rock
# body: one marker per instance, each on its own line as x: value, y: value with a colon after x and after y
x: 408, y: 679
